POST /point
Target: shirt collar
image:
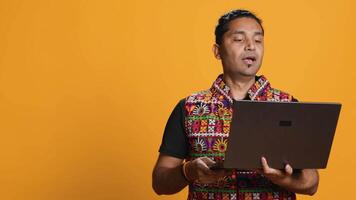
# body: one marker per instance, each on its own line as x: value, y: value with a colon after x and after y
x: 255, y: 90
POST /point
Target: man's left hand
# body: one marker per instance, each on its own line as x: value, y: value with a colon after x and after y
x: 304, y: 182
x: 279, y: 177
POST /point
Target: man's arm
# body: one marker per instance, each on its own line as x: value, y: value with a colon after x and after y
x: 304, y: 182
x: 167, y: 176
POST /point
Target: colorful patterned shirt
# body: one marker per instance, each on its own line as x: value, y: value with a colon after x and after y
x: 200, y: 125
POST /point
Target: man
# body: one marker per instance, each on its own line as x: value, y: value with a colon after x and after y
x: 197, y: 130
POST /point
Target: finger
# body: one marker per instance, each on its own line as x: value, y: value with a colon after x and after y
x: 228, y: 172
x: 264, y: 163
x: 202, y: 166
x: 221, y: 172
x: 260, y: 171
x: 289, y: 169
x: 207, y: 180
x: 268, y: 170
x: 208, y: 176
x: 208, y: 161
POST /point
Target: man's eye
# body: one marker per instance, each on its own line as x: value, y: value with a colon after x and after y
x: 258, y: 41
x: 238, y: 40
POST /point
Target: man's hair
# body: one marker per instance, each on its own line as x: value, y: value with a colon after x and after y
x: 223, y: 24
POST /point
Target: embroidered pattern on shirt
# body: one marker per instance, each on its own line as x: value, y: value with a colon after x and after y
x: 207, y: 125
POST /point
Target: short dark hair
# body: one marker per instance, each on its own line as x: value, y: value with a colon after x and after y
x: 224, y: 20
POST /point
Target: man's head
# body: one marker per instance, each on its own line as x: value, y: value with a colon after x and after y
x: 239, y: 42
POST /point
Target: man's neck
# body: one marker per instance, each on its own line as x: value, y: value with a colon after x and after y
x: 239, y: 85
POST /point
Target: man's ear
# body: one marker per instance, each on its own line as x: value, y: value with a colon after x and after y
x: 216, y: 51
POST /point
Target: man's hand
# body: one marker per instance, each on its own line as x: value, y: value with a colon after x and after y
x: 198, y: 171
x: 275, y: 175
x: 305, y: 182
x: 167, y: 176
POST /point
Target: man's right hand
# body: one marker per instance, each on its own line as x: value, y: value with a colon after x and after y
x: 198, y: 171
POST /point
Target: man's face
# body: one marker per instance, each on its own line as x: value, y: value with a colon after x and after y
x: 241, y: 50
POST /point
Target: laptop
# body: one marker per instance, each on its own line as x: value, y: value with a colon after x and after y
x: 295, y: 133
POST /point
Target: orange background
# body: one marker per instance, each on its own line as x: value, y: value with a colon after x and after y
x: 86, y: 87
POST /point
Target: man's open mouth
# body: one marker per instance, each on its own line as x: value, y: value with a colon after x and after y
x: 249, y: 60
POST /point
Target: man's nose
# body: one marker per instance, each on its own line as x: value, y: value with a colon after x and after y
x: 250, y: 45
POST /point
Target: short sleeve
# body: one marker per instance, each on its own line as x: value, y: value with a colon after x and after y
x: 175, y: 142
x: 294, y: 99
